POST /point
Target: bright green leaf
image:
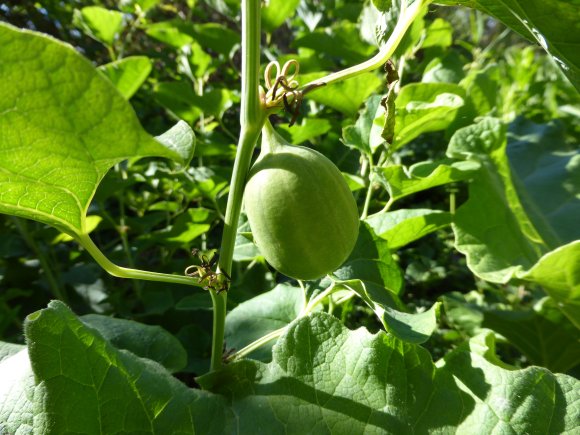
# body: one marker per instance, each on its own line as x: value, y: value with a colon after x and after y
x: 401, y: 181
x: 62, y: 127
x: 424, y: 107
x: 99, y: 23
x: 401, y: 227
x: 128, y: 74
x: 346, y: 96
x: 276, y: 12
x: 113, y: 391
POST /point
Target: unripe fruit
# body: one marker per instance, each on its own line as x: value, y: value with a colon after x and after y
x: 303, y: 216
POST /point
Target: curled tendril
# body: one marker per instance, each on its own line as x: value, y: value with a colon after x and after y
x: 282, y: 87
x: 206, y: 276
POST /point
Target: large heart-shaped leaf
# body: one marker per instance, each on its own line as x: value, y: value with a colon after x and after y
x: 62, y: 127
x: 327, y: 379
x: 323, y: 379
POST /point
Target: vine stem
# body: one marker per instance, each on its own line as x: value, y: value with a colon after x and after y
x: 123, y: 272
x: 407, y: 16
x: 252, y: 118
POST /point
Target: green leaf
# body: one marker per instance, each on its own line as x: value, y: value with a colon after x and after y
x: 553, y: 24
x: 511, y: 239
x: 505, y: 241
x: 365, y: 134
x: 438, y: 34
x: 186, y: 228
x: 371, y: 261
x: 99, y: 23
x: 424, y: 107
x: 114, y: 391
x: 546, y: 174
x: 445, y: 69
x: 18, y: 393
x: 184, y: 103
x: 128, y: 74
x: 261, y: 315
x: 181, y: 140
x: 245, y: 249
x: 409, y: 327
x: 401, y: 181
x: 61, y: 129
x: 523, y: 221
x: 543, y: 333
x: 401, y: 227
x: 559, y: 273
x: 327, y: 379
x: 346, y: 96
x: 276, y: 12
x: 341, y: 41
x: 310, y: 128
x: 178, y: 33
x: 146, y: 341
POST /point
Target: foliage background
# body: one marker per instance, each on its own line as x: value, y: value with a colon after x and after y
x: 149, y: 215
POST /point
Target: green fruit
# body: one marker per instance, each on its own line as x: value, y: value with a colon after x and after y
x: 303, y: 216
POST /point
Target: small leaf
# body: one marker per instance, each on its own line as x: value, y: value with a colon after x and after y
x: 401, y: 181
x: 128, y: 74
x: 424, y: 107
x: 99, y: 23
x: 358, y: 136
x: 401, y: 227
x: 346, y: 96
x: 276, y: 12
x: 179, y: 139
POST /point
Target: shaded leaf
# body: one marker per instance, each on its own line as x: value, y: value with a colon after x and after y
x: 371, y: 261
x: 146, y: 341
x: 553, y: 24
x: 261, y: 315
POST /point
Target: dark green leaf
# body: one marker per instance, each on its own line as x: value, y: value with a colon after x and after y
x: 553, y: 24
x: 261, y: 315
x: 152, y: 342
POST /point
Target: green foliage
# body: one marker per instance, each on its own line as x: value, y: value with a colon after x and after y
x: 457, y: 310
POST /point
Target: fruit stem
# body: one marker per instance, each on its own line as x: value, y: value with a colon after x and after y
x: 270, y: 139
